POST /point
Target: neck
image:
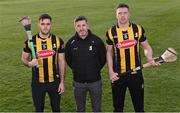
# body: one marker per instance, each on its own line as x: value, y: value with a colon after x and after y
x: 44, y: 36
x: 83, y: 37
x: 123, y: 25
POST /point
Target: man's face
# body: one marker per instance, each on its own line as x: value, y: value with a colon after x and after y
x: 122, y: 15
x: 45, y: 26
x: 81, y: 28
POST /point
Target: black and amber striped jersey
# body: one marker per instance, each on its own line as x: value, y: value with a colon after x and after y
x: 47, y: 53
x: 126, y: 43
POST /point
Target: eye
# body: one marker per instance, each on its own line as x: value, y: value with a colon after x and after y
x: 119, y: 13
x: 46, y: 24
x: 84, y: 25
x: 125, y: 12
x: 77, y: 25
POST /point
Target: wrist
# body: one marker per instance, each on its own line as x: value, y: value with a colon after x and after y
x: 111, y: 71
x: 150, y: 59
x: 29, y: 64
x: 62, y: 80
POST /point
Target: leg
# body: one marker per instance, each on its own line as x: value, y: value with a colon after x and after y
x: 54, y: 96
x: 95, y: 90
x: 38, y: 95
x: 80, y: 92
x: 118, y: 93
x: 136, y: 88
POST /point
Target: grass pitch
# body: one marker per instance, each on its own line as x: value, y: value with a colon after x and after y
x: 160, y: 18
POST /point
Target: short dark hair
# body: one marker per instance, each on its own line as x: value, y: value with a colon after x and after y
x: 45, y: 16
x: 79, y: 18
x: 122, y: 5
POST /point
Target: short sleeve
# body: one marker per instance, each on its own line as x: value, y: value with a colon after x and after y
x: 108, y: 40
x: 26, y: 47
x: 61, y: 46
x: 143, y: 37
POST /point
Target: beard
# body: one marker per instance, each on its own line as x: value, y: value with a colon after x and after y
x: 45, y: 32
x: 83, y: 33
x: 123, y: 21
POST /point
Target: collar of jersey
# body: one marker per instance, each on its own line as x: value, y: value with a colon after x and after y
x: 44, y: 38
x: 122, y: 29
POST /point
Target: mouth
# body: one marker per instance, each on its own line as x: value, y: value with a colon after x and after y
x: 123, y: 18
x: 82, y: 32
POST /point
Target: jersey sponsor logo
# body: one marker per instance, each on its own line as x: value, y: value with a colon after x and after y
x: 126, y: 44
x: 45, y: 53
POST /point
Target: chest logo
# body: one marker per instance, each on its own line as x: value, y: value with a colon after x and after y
x: 45, y: 53
x: 90, y: 48
x: 136, y: 35
x: 54, y: 45
x: 75, y: 48
x: 126, y: 44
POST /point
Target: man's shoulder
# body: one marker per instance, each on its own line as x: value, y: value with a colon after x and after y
x: 53, y: 35
x: 71, y: 40
x: 112, y: 27
x: 57, y: 37
x: 136, y: 25
x: 95, y: 37
x: 35, y: 35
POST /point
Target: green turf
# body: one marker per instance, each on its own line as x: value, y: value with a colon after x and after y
x: 160, y: 18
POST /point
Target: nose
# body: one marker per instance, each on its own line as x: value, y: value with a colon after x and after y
x: 81, y: 28
x: 122, y: 14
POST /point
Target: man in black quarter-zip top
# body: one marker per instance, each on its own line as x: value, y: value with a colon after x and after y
x: 86, y: 55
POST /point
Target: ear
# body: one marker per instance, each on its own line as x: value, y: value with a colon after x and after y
x: 38, y: 24
x: 87, y: 26
x: 116, y: 15
x: 75, y: 26
x: 129, y: 14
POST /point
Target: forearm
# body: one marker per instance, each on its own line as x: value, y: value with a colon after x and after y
x: 109, y: 61
x: 112, y: 75
x: 147, y: 50
x: 62, y: 71
x: 25, y: 62
x: 62, y: 67
x: 148, y: 53
x: 25, y: 58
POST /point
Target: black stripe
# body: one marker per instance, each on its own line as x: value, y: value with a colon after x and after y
x: 172, y: 52
x: 137, y: 56
x: 46, y: 75
x: 116, y: 59
x: 34, y: 42
x: 35, y: 70
x: 127, y: 51
x: 54, y: 41
x: 45, y: 64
